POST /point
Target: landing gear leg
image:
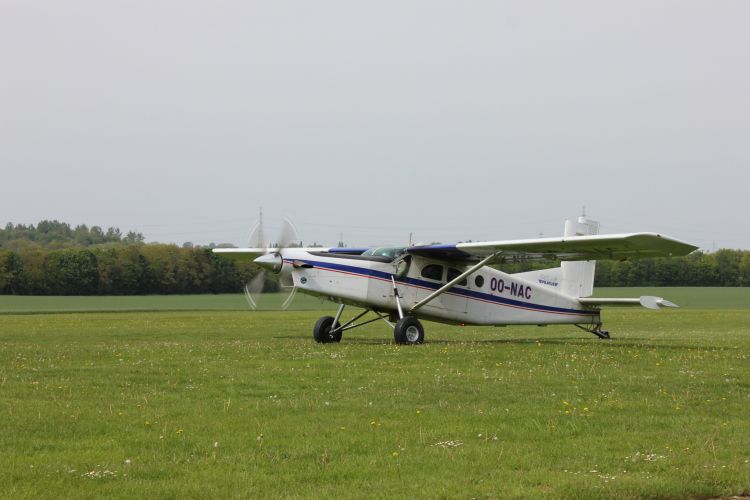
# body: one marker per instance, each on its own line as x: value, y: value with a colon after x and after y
x: 408, y: 329
x: 328, y: 329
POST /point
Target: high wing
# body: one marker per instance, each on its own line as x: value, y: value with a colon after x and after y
x: 598, y: 247
x: 245, y: 254
x: 240, y: 254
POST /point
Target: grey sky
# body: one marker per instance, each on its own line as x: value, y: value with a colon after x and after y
x: 454, y: 120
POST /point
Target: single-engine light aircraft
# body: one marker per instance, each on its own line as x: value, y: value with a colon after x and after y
x: 455, y: 283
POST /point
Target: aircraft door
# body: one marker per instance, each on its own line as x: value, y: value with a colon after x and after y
x: 426, y: 277
x: 455, y: 299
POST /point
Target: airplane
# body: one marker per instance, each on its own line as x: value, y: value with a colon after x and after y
x: 456, y: 284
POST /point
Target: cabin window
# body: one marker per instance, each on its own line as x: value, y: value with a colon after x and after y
x: 453, y: 274
x: 433, y: 272
x: 479, y: 281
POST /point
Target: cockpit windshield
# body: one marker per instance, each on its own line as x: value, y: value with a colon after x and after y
x: 390, y: 252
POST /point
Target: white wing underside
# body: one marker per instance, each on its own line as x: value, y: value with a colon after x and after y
x: 606, y: 246
x: 245, y: 254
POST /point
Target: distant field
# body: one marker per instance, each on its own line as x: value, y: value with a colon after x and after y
x: 686, y: 297
x: 231, y: 403
x: 221, y: 302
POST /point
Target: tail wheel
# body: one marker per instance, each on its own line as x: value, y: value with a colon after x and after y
x: 322, y: 330
x: 408, y: 330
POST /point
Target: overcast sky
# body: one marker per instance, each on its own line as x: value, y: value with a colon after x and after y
x: 459, y: 120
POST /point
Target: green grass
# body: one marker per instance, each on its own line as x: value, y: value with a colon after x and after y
x: 236, y: 404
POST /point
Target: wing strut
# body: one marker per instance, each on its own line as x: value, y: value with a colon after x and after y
x: 452, y: 282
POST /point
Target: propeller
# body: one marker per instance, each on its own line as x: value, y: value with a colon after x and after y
x: 271, y: 260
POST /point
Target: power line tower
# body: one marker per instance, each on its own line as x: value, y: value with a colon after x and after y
x: 261, y: 236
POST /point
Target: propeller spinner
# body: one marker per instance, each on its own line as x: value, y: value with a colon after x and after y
x: 271, y: 262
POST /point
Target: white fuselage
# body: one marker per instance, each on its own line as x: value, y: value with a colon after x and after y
x: 487, y: 297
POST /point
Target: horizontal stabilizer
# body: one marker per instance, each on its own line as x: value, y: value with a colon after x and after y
x: 647, y: 301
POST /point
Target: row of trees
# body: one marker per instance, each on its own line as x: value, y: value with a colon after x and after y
x: 721, y: 268
x: 121, y: 270
x: 55, y: 235
x: 168, y: 269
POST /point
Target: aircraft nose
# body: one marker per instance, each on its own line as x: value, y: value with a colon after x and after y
x: 270, y: 261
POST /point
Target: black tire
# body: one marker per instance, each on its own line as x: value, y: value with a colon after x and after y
x: 322, y: 330
x: 408, y: 330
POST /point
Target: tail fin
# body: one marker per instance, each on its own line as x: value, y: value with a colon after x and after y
x: 574, y: 278
x: 578, y: 276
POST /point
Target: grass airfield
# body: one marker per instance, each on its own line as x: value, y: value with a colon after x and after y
x: 162, y: 402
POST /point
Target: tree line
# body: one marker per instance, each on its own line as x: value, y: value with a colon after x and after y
x: 121, y: 270
x: 53, y: 258
x: 168, y: 269
x: 721, y: 268
x: 55, y: 234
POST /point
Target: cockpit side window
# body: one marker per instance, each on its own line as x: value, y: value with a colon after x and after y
x: 453, y: 274
x: 433, y: 272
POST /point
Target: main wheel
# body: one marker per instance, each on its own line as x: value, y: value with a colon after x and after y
x: 408, y: 331
x: 322, y: 330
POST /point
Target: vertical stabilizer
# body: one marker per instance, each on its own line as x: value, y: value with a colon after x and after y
x: 578, y: 276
